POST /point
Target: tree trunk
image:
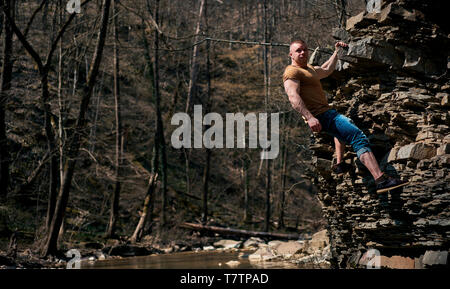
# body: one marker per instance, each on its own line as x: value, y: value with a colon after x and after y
x: 51, y: 147
x: 237, y: 232
x: 194, y: 64
x: 5, y: 85
x: 284, y: 154
x: 114, y: 213
x: 191, y: 89
x: 50, y: 246
x: 60, y: 105
x: 186, y: 153
x: 266, y: 91
x: 147, y: 208
x: 246, y: 179
x: 93, y: 132
x: 208, y: 109
x: 159, y: 126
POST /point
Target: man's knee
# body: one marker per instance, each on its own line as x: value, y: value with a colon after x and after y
x: 362, y: 151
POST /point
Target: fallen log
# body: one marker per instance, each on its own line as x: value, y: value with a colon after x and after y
x: 230, y: 231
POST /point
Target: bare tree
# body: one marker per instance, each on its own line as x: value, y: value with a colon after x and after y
x: 147, y: 208
x: 208, y: 108
x: 50, y: 246
x: 5, y: 85
x: 114, y: 210
x: 159, y: 126
x: 283, y: 173
x: 266, y: 105
x: 44, y: 68
x: 191, y: 89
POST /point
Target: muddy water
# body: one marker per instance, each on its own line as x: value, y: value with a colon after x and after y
x: 188, y: 260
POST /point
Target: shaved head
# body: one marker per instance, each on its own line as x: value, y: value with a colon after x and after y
x: 298, y: 41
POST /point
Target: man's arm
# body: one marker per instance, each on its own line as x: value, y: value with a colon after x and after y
x: 328, y: 67
x: 291, y: 87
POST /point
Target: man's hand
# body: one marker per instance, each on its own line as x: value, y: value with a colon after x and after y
x: 340, y: 44
x: 314, y: 124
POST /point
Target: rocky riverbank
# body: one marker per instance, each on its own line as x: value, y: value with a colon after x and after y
x: 312, y: 252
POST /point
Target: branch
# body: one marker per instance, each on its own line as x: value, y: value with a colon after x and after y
x: 152, y: 21
x: 55, y: 42
x: 33, y: 175
x: 23, y: 40
x: 60, y: 34
x: 32, y: 18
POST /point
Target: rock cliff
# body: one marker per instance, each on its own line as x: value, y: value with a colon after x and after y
x: 395, y: 86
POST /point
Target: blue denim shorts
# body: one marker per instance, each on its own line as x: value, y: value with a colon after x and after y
x: 344, y: 130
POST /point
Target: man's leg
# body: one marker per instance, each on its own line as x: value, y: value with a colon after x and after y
x: 346, y: 130
x: 368, y: 159
x: 340, y: 167
x: 339, y: 150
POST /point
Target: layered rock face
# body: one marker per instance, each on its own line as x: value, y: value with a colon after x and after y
x: 395, y: 87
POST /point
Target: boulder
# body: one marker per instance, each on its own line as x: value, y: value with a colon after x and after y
x: 443, y: 149
x: 253, y: 242
x: 431, y: 258
x: 319, y: 241
x: 361, y: 20
x: 341, y: 34
x: 394, y: 10
x: 228, y: 244
x: 274, y: 244
x: 424, y: 135
x: 354, y: 20
x: 375, y: 51
x: 289, y: 248
x: 418, y: 263
x: 321, y: 236
x: 392, y: 154
x: 416, y: 151
x: 233, y: 264
x: 262, y: 254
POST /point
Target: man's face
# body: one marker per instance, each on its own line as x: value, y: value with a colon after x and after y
x: 299, y: 53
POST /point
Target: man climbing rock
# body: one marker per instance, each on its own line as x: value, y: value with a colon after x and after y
x: 302, y: 85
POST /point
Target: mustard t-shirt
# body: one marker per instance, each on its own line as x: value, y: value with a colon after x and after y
x: 310, y: 89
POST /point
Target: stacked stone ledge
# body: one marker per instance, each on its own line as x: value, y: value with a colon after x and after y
x: 395, y: 87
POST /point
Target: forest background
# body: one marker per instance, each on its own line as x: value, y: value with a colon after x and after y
x: 86, y: 106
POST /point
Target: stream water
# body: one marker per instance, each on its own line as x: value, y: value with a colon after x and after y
x: 188, y: 260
